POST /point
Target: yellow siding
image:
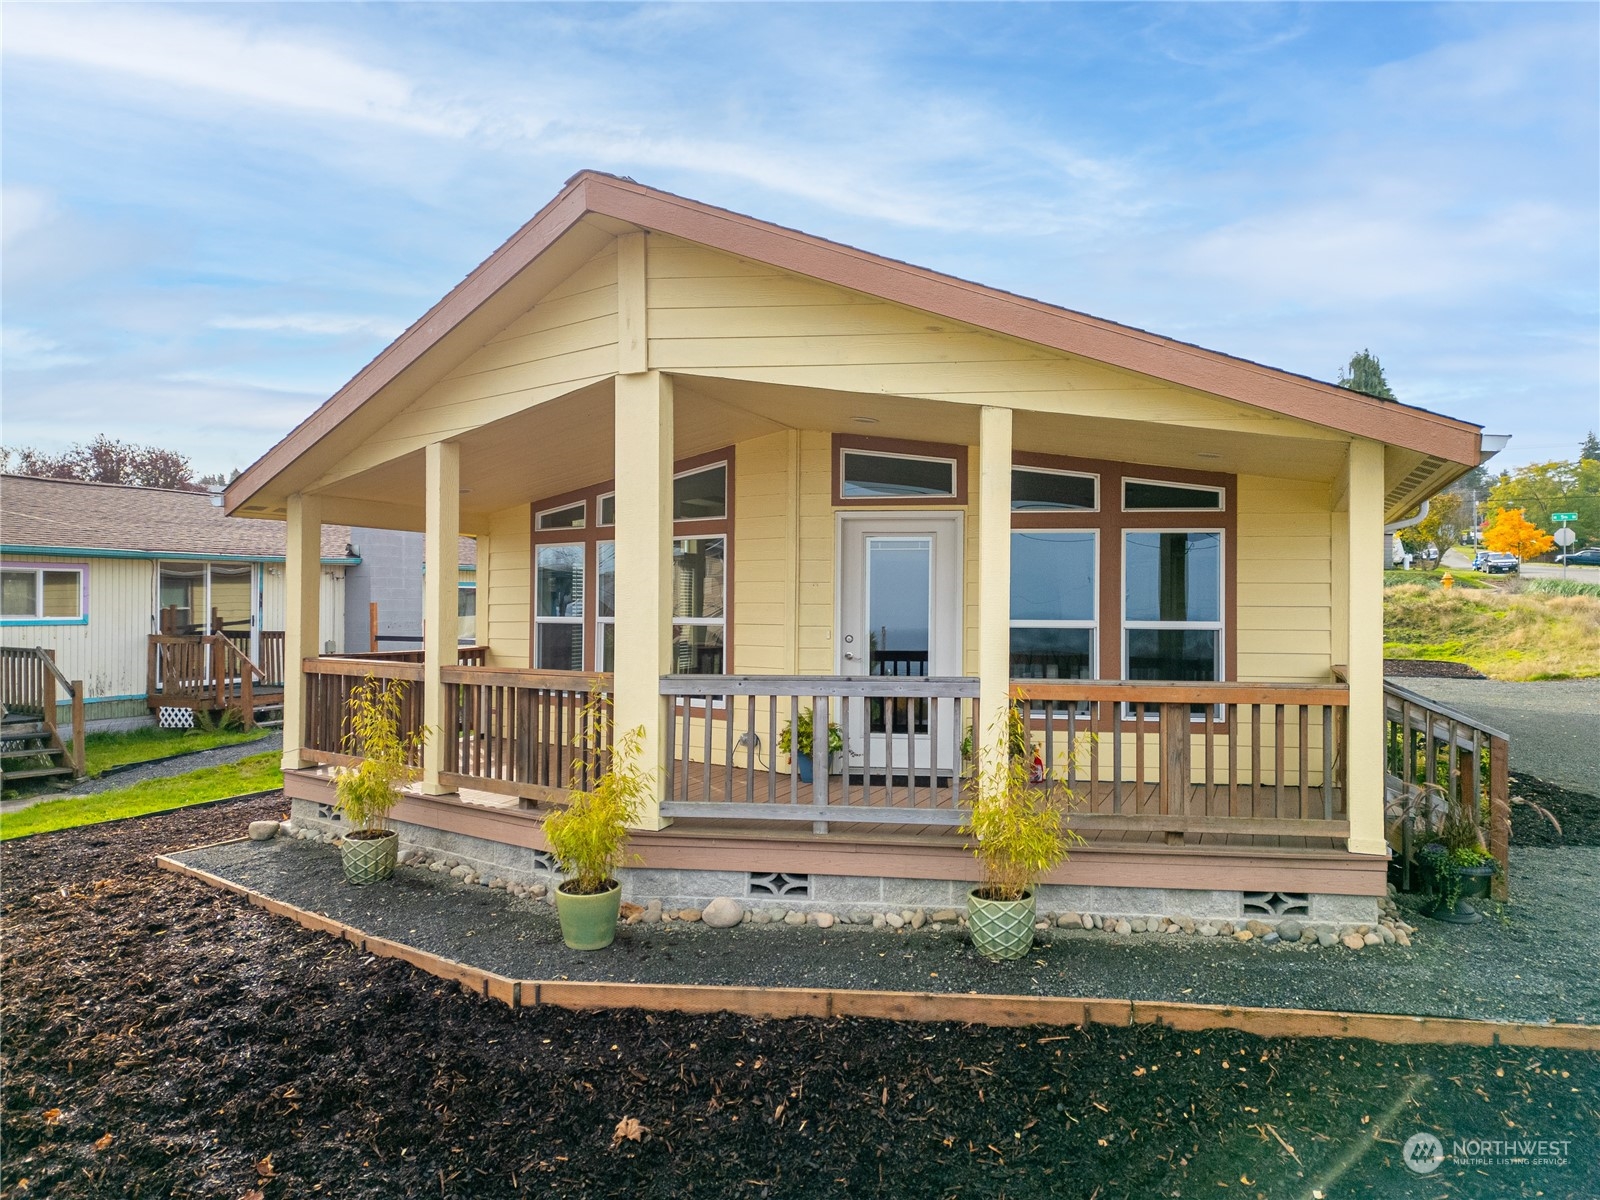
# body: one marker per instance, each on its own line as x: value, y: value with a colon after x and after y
x: 108, y: 653
x: 713, y: 314
x: 1285, y: 595
x: 505, y: 587
x: 763, y: 558
x: 567, y: 341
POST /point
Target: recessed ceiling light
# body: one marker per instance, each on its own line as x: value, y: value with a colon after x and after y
x: 865, y: 420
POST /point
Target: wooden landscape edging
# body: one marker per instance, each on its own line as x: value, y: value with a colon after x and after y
x: 962, y: 1007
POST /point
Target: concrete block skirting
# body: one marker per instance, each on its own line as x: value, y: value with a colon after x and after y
x: 839, y: 894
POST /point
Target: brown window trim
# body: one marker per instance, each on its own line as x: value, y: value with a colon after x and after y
x: 1112, y: 522
x: 845, y: 441
x: 593, y: 533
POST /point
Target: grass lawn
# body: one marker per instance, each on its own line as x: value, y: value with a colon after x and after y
x: 104, y: 750
x: 254, y: 774
x: 1513, y: 636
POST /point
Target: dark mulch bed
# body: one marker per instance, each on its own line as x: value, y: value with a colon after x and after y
x: 164, y: 1039
x: 1429, y: 668
x: 1576, y: 814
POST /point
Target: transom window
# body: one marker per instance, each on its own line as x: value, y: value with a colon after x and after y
x: 870, y: 475
x: 701, y: 495
x: 41, y: 594
x: 1053, y: 491
x: 1154, y: 496
x: 570, y: 516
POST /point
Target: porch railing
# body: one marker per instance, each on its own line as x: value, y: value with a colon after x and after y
x: 901, y: 759
x: 466, y: 656
x: 1194, y: 759
x: 329, y: 682
x: 1437, y: 759
x: 212, y: 671
x: 31, y: 687
x: 523, y: 733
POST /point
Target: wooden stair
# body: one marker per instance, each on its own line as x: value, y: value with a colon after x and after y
x: 30, y: 743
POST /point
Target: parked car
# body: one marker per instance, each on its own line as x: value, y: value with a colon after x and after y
x: 1500, y: 564
x: 1587, y: 557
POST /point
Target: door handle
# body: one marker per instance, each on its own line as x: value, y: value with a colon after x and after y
x: 849, y: 657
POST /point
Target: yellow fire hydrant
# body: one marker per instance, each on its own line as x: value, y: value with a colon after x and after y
x: 1447, y: 580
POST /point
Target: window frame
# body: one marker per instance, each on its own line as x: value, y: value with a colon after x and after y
x: 1220, y: 492
x: 582, y: 620
x: 593, y: 533
x: 1094, y: 476
x: 39, y: 570
x: 1222, y: 668
x: 582, y: 504
x: 1093, y: 623
x: 727, y: 577
x: 956, y: 455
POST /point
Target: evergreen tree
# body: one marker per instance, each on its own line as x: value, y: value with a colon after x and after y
x: 1591, y: 448
x: 1365, y: 374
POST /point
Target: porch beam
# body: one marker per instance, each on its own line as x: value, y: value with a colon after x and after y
x: 1363, y: 608
x: 643, y: 630
x: 994, y: 577
x: 440, y: 614
x: 302, y: 568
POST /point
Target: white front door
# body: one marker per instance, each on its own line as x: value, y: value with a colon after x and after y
x: 900, y: 606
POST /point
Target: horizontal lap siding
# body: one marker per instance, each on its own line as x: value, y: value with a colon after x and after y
x: 566, y: 341
x: 714, y: 314
x: 763, y: 558
x: 1285, y: 601
x: 505, y: 587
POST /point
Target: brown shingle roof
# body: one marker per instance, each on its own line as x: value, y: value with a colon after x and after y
x: 69, y: 515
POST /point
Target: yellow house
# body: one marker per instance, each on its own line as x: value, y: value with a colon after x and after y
x: 735, y: 475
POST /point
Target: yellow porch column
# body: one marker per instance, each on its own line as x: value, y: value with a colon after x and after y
x: 440, y: 614
x: 644, y: 567
x: 994, y: 574
x: 1363, y: 573
x: 302, y: 618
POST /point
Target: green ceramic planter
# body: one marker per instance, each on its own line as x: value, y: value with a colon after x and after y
x: 1001, y: 929
x: 589, y: 922
x: 369, y: 859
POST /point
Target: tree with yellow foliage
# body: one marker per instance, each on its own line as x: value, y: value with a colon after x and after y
x: 1512, y: 533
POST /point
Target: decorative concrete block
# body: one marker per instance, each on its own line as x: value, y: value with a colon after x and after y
x: 923, y: 893
x: 847, y: 889
x: 1344, y: 910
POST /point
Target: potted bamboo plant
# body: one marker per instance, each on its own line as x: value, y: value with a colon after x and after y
x: 589, y: 836
x: 365, y: 794
x: 1017, y: 833
x: 797, y: 743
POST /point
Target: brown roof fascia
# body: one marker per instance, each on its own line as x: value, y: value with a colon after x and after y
x: 1030, y: 320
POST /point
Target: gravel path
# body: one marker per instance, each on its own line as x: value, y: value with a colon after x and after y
x: 1535, y: 963
x: 1554, y: 726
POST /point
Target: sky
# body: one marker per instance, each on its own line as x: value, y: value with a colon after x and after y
x: 215, y: 215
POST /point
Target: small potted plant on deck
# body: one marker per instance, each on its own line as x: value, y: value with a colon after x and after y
x: 1018, y: 834
x: 589, y: 836
x: 797, y: 743
x: 365, y: 794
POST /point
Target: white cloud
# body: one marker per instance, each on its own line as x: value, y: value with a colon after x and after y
x: 224, y: 58
x: 22, y: 210
x: 313, y: 324
x: 30, y: 350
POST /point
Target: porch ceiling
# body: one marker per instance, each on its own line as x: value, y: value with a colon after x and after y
x: 567, y: 444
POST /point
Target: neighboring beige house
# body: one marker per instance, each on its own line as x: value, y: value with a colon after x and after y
x: 728, y: 473
x: 102, y: 574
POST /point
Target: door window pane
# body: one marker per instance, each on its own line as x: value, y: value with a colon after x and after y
x: 231, y: 601
x: 19, y: 594
x: 899, y: 605
x: 1180, y: 654
x: 1138, y: 494
x: 1052, y: 576
x: 867, y: 476
x: 183, y: 597
x: 701, y: 496
x: 1051, y: 491
x: 1173, y: 577
x: 560, y: 583
x: 1052, y: 653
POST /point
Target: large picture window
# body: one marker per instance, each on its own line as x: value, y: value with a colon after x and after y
x: 699, y: 609
x: 558, y: 609
x: 1172, y: 605
x: 1053, y: 602
x: 40, y: 595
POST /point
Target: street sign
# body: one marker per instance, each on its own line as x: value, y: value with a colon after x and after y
x: 1563, y: 516
x: 1564, y: 536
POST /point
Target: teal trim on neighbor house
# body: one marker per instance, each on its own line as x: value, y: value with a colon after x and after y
x: 12, y: 622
